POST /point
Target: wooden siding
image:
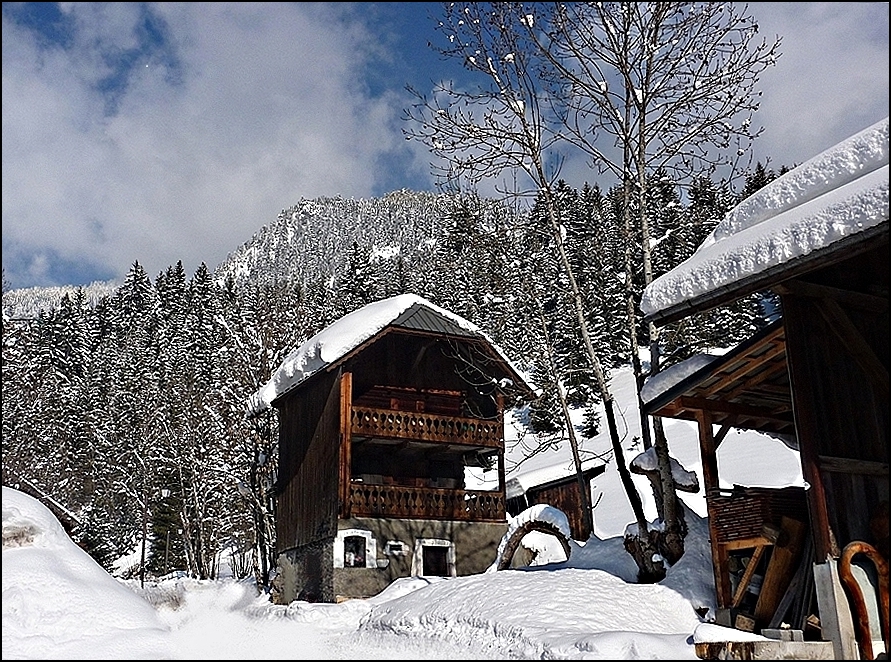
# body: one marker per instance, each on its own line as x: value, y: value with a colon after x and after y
x: 566, y: 498
x: 563, y: 494
x: 309, y: 453
x: 433, y: 401
x: 424, y: 363
x: 842, y: 419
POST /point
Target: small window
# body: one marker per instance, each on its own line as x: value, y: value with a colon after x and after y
x: 354, y: 548
x: 433, y: 557
x: 354, y: 552
x: 436, y: 561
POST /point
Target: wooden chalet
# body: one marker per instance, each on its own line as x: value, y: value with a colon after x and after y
x: 379, y: 415
x: 817, y: 379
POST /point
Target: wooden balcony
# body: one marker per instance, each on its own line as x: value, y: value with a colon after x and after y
x: 425, y: 503
x: 420, y: 426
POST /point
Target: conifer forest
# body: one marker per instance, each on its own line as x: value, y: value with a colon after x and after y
x: 125, y: 402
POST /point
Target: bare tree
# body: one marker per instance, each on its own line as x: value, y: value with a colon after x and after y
x: 506, y: 125
x: 646, y: 87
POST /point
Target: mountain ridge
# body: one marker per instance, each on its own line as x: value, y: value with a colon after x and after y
x: 307, y: 240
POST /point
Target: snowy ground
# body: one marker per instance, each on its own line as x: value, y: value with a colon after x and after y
x: 59, y: 604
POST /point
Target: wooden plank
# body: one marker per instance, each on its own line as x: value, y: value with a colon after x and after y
x: 758, y: 379
x: 734, y: 408
x: 746, y: 543
x: 780, y: 569
x: 744, y: 372
x: 797, y: 590
x: 722, y: 432
x: 844, y: 465
x: 747, y: 575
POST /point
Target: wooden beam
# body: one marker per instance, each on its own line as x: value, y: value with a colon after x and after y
x: 845, y: 465
x: 749, y: 366
x: 734, y: 408
x: 854, y: 342
x: 860, y: 300
x: 756, y: 380
x: 722, y: 432
x: 746, y: 543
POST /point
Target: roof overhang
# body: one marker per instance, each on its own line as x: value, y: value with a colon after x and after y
x: 491, y: 355
x: 839, y: 251
x: 747, y: 388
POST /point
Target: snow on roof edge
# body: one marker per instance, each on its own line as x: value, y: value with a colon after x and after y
x: 523, y: 482
x: 832, y: 168
x: 832, y: 218
x: 787, y: 207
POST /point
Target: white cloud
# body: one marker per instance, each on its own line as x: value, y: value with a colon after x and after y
x: 831, y: 80
x: 266, y: 103
x: 271, y: 107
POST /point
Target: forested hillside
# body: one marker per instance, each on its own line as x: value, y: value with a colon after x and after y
x: 310, y: 240
x: 129, y: 408
x: 30, y: 301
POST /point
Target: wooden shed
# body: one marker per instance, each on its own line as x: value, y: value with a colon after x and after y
x: 817, y: 379
x: 556, y: 486
x: 379, y: 416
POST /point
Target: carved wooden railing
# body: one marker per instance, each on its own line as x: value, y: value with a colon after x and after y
x: 421, y: 426
x: 425, y: 503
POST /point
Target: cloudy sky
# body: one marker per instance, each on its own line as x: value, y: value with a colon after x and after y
x: 165, y: 132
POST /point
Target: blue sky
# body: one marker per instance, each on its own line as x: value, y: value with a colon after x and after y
x: 165, y: 132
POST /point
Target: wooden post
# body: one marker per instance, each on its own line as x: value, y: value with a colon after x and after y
x: 806, y: 410
x: 710, y: 478
x: 346, y: 459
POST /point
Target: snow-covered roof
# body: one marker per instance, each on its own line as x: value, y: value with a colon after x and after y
x: 334, y: 342
x: 838, y: 196
x: 673, y: 375
x: 521, y: 483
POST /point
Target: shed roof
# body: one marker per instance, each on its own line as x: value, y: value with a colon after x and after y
x: 550, y: 476
x: 748, y: 387
x: 336, y: 342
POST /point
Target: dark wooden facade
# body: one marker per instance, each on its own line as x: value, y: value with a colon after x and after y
x: 563, y: 494
x: 382, y: 436
x: 819, y: 379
